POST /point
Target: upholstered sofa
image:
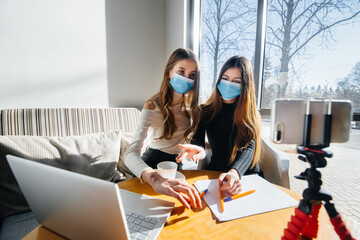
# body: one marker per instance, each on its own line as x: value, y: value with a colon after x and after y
x: 88, y: 141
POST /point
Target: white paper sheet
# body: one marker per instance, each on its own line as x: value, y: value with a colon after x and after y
x: 266, y: 198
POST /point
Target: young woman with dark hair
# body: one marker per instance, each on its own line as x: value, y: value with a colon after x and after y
x: 232, y: 124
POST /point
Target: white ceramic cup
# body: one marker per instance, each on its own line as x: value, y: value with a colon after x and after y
x: 167, y: 169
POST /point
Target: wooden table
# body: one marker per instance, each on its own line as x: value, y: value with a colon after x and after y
x: 202, y: 224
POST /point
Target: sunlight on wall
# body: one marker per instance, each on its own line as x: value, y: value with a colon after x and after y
x: 53, y: 54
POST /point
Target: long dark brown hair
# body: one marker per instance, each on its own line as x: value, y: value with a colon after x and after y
x: 164, y: 97
x: 247, y: 119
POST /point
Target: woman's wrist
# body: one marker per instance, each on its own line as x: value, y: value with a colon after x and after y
x: 150, y: 176
x: 235, y: 173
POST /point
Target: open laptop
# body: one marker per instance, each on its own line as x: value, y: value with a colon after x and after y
x: 82, y: 207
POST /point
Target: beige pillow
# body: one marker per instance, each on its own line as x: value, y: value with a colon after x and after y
x: 95, y: 155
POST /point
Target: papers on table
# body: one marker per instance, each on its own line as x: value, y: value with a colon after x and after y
x: 266, y: 198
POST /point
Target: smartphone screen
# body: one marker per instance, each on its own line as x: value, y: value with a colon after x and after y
x: 341, y: 120
x: 288, y: 119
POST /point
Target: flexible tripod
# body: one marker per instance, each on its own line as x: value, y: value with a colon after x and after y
x: 304, y: 224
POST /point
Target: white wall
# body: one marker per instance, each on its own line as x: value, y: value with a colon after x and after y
x: 176, y: 35
x: 141, y: 35
x: 135, y: 50
x: 52, y: 53
x: 86, y: 53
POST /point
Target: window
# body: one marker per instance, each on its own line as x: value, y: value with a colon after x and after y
x: 309, y: 51
x: 228, y: 29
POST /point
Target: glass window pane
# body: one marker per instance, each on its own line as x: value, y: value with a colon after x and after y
x: 228, y: 28
x: 312, y: 50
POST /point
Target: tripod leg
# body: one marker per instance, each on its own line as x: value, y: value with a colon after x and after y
x: 337, y: 222
x: 297, y: 223
x: 312, y: 226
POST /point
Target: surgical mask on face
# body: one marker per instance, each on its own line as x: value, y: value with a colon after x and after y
x: 181, y: 84
x: 229, y: 90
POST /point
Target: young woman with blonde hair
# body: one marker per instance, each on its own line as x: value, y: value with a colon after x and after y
x: 171, y: 115
x: 232, y: 124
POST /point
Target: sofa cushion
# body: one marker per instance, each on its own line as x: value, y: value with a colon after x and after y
x: 61, y: 122
x: 91, y: 154
x: 17, y: 226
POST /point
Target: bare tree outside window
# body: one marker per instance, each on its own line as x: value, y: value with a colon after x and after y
x: 228, y: 28
x: 300, y: 35
x: 349, y: 87
x: 296, y: 29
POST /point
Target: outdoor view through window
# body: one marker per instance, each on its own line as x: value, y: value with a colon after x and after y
x: 228, y: 29
x: 311, y: 49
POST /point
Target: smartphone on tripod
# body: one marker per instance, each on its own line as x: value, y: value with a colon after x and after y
x: 288, y: 118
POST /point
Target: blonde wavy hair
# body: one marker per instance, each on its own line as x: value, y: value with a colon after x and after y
x: 246, y: 117
x: 164, y: 97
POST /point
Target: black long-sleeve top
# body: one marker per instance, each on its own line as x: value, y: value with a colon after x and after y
x: 219, y: 132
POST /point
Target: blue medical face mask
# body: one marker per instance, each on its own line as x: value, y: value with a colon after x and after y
x: 229, y: 90
x: 181, y: 84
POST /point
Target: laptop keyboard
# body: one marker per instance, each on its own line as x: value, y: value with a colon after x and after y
x: 139, y: 225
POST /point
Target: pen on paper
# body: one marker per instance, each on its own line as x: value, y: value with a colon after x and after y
x: 239, y: 195
x: 221, y: 201
x: 203, y: 193
x: 221, y: 198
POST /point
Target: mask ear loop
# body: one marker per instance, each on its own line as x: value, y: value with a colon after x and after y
x: 169, y: 78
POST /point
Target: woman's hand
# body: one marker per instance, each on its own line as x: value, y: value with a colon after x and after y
x: 177, y: 188
x: 190, y: 151
x: 230, y: 182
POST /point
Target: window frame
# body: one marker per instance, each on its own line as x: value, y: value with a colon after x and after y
x: 195, y: 17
